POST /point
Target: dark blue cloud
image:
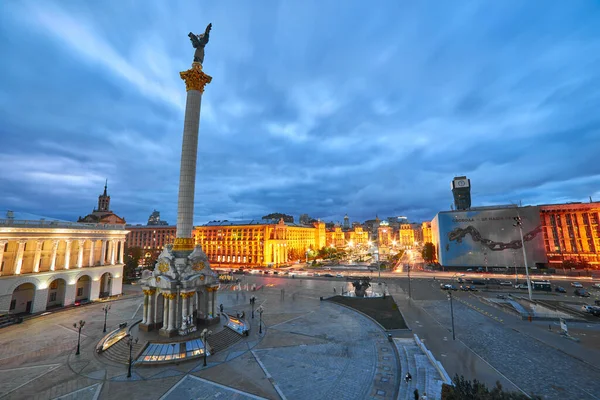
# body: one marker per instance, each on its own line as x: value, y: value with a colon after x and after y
x: 314, y: 108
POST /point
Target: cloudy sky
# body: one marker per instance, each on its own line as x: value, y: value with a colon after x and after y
x: 369, y: 108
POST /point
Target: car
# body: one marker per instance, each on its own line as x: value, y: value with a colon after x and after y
x: 464, y: 288
x: 447, y: 286
x: 505, y: 283
x: 587, y: 309
x: 582, y: 293
x: 501, y: 296
x: 328, y: 275
x: 521, y: 286
x: 339, y: 276
x: 596, y: 285
x: 560, y: 289
x: 576, y: 285
x: 470, y: 270
x: 460, y: 280
x: 275, y: 272
x: 472, y: 289
x: 492, y: 281
x: 477, y: 282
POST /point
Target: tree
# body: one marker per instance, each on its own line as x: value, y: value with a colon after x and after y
x: 132, y: 257
x: 278, y: 216
x: 428, y: 252
x: 475, y: 390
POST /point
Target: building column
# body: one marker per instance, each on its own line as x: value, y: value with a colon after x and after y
x: 19, y: 257
x: 2, y: 244
x: 38, y: 255
x: 212, y: 302
x: 81, y: 243
x: 112, y: 253
x: 184, y: 312
x: 145, y: 313
x: 165, y: 312
x: 103, y: 252
x: 150, y: 317
x: 91, y: 259
x: 68, y: 253
x: 122, y: 252
x: 53, y: 260
x: 172, y: 305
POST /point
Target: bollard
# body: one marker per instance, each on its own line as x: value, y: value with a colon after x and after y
x: 321, y: 298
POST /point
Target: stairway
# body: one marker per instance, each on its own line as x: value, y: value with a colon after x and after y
x: 119, y: 352
x: 425, y: 376
x: 223, y: 339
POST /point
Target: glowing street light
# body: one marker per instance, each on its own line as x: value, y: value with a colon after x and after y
x: 519, y: 223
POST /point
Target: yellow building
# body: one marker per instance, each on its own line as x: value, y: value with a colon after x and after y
x: 336, y: 238
x: 258, y: 243
x: 357, y: 236
x: 426, y: 231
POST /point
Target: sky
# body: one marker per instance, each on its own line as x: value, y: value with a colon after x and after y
x: 321, y: 107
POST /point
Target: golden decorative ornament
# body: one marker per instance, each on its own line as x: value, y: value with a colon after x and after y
x: 195, y: 78
x: 199, y: 266
x: 202, y: 278
x: 163, y: 267
x: 183, y: 244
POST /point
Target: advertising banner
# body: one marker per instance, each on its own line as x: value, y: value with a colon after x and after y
x: 477, y: 238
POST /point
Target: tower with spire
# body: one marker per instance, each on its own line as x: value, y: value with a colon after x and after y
x: 104, y: 200
x: 102, y: 214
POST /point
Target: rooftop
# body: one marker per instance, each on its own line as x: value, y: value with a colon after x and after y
x: 9, y: 218
x: 252, y: 222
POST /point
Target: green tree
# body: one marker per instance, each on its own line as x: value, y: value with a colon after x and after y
x: 428, y: 252
x: 474, y: 390
x: 278, y: 216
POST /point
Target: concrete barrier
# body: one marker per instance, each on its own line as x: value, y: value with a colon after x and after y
x: 438, y: 365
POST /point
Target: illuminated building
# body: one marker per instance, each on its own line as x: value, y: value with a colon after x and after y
x: 571, y: 232
x: 102, y: 214
x: 346, y: 222
x: 336, y: 238
x: 385, y: 239
x: 151, y: 240
x: 258, y: 242
x: 406, y: 236
x: 461, y: 190
x: 46, y: 263
x: 426, y: 232
x: 357, y: 236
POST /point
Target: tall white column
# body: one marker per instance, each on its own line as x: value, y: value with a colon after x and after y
x: 91, y: 259
x: 53, y: 259
x: 80, y: 243
x: 150, y: 318
x: 165, y: 312
x: 113, y: 250
x: 121, y: 251
x: 19, y: 257
x: 103, y: 252
x: 68, y: 253
x: 195, y: 80
x: 2, y: 244
x: 38, y: 255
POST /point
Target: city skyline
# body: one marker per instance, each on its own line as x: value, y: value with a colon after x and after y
x: 375, y: 114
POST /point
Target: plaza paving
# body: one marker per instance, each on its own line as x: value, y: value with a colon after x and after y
x: 309, y: 349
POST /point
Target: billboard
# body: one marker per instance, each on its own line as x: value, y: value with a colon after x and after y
x: 480, y: 237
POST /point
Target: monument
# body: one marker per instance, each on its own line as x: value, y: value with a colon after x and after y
x: 181, y: 290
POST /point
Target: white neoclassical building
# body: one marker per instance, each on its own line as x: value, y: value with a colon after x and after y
x: 49, y: 263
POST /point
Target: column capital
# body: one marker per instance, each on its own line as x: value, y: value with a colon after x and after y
x: 68, y: 241
x: 22, y: 241
x: 195, y: 78
x: 81, y: 241
x: 3, y: 242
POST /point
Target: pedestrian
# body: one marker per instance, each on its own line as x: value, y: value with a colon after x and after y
x: 333, y: 290
x: 424, y: 397
x: 408, y: 377
x: 416, y: 393
x: 221, y: 308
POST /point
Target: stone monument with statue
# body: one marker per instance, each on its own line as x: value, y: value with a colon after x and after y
x: 180, y: 292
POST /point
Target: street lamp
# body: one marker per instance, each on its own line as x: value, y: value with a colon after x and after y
x: 252, y: 302
x: 105, y: 309
x: 78, y: 326
x: 130, y: 342
x: 451, y: 313
x: 408, y: 270
x: 204, y: 335
x: 260, y: 312
x: 519, y: 223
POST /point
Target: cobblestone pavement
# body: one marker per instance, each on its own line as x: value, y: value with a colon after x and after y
x: 37, y: 359
x: 533, y: 366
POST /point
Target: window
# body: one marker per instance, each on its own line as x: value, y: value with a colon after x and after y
x: 13, y: 304
x: 80, y: 291
x: 53, y: 296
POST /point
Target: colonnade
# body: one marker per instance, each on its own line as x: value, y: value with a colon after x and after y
x: 178, y: 310
x: 114, y: 255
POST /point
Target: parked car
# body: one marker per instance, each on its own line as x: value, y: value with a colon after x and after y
x: 596, y: 285
x: 501, y: 296
x: 582, y: 293
x: 560, y: 289
x: 506, y: 283
x: 447, y: 286
x: 339, y: 276
x: 576, y: 285
x: 464, y: 288
x: 328, y: 275
x: 492, y: 281
x: 521, y: 286
x: 472, y: 288
x: 477, y: 282
x: 470, y: 270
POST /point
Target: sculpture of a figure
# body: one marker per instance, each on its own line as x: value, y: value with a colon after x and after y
x: 199, y: 41
x: 361, y: 286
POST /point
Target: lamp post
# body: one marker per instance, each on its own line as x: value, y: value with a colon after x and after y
x: 452, y: 314
x: 252, y: 302
x: 105, y: 309
x: 260, y: 312
x: 78, y: 326
x: 408, y: 270
x: 519, y: 223
x: 130, y: 342
x: 204, y: 335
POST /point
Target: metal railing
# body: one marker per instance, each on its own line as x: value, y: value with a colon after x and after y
x: 9, y: 222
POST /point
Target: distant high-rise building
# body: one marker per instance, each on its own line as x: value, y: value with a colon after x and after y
x: 461, y: 190
x: 305, y: 219
x: 346, y: 222
x: 154, y: 219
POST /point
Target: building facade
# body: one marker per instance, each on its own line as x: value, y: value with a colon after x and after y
x: 258, y: 242
x: 571, y: 232
x: 49, y: 263
x: 151, y: 240
x: 426, y: 232
x: 461, y: 191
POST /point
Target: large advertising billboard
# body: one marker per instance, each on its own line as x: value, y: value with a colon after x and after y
x: 488, y: 237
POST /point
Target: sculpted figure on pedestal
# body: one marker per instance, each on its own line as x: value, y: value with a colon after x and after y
x: 199, y: 41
